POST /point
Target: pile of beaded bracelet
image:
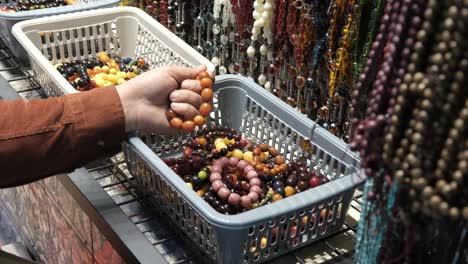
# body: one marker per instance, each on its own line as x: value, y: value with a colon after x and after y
x: 234, y: 175
x: 205, y: 109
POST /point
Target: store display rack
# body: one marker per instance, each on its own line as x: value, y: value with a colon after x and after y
x: 111, y: 180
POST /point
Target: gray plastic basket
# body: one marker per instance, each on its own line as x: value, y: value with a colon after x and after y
x: 7, y: 20
x: 243, y: 105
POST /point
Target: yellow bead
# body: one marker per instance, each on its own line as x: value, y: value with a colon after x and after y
x: 112, y: 78
x: 130, y: 75
x: 237, y: 153
x: 112, y: 71
x: 97, y: 68
x: 108, y: 84
x: 120, y: 81
x: 100, y: 82
x: 121, y: 74
x: 190, y: 185
x: 264, y: 155
x: 220, y: 146
x: 218, y: 140
x: 229, y: 153
x: 105, y: 69
x: 101, y: 75
x: 248, y: 155
x: 289, y: 191
x: 227, y: 141
x: 57, y: 65
x: 263, y: 242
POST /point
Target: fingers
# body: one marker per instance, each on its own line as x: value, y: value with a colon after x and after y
x: 188, y: 111
x: 186, y: 96
x: 182, y: 73
x: 192, y: 85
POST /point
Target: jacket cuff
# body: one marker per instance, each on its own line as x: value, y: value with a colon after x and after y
x: 101, y: 126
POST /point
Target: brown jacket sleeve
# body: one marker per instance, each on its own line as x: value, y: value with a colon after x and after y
x: 41, y: 138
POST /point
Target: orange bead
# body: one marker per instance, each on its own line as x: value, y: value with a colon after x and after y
x: 170, y: 114
x: 90, y: 72
x: 199, y: 120
x: 188, y: 126
x: 202, y: 141
x: 176, y: 122
x: 277, y: 197
x: 203, y: 75
x: 207, y: 94
x: 206, y: 83
x: 104, y: 58
x: 205, y: 109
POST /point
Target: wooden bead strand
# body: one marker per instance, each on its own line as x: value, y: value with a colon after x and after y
x: 176, y: 121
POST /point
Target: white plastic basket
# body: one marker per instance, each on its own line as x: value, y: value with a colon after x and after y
x: 7, y: 20
x: 119, y: 31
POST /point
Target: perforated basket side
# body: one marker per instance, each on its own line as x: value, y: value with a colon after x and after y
x: 123, y: 31
x: 316, y: 213
x: 8, y: 20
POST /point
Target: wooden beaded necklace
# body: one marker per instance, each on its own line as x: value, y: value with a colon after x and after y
x: 205, y: 108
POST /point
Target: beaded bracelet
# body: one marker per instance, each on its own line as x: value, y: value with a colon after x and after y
x: 232, y: 197
x: 205, y: 109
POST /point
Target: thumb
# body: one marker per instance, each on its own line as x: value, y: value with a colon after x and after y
x: 183, y: 73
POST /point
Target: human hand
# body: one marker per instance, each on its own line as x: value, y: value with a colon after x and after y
x: 146, y: 98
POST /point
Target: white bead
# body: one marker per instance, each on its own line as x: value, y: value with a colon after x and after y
x: 224, y: 2
x: 254, y: 37
x: 258, y: 4
x: 222, y: 70
x: 262, y: 79
x: 267, y: 86
x: 224, y: 39
x: 261, y: 22
x: 216, y: 29
x: 266, y: 15
x: 215, y: 61
x: 268, y: 6
x: 254, y: 31
x: 256, y: 14
x: 251, y: 52
x: 263, y: 50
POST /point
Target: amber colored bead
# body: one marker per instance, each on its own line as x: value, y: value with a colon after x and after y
x: 264, y: 147
x: 292, y: 71
x: 266, y: 171
x: 207, y: 94
x: 289, y: 191
x: 200, y: 193
x: 277, y: 197
x: 205, y: 109
x: 324, y: 112
x: 300, y: 81
x: 336, y: 98
x: 188, y: 126
x: 203, y: 75
x: 170, y: 114
x: 253, y: 163
x: 305, y: 144
x: 202, y: 141
x: 176, y: 122
x: 284, y: 166
x: 256, y: 151
x: 206, y: 83
x: 274, y: 171
x: 273, y: 152
x: 279, y: 160
x: 199, y: 120
x: 259, y: 167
